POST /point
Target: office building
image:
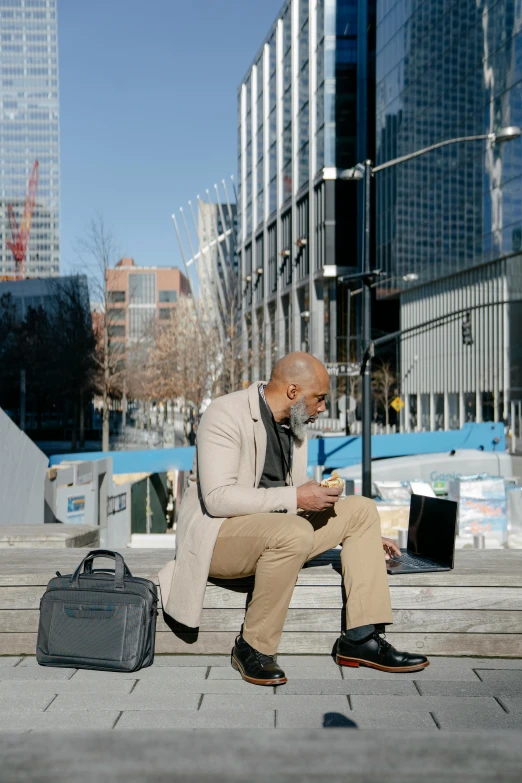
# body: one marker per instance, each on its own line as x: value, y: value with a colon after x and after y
x: 29, y: 130
x: 303, y: 107
x: 453, y: 216
x: 217, y: 261
x: 45, y: 293
x: 139, y: 296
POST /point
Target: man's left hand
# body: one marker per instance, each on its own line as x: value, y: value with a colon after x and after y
x: 390, y: 548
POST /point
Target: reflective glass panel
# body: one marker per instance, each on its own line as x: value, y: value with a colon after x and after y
x: 447, y: 70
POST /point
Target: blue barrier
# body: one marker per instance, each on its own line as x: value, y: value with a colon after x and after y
x: 336, y: 452
x: 343, y: 452
x: 142, y: 461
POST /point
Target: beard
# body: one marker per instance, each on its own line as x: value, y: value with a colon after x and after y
x: 299, y: 418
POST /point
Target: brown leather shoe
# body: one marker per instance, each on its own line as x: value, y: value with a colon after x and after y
x: 255, y: 667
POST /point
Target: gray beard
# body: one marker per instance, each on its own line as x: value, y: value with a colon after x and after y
x: 299, y: 419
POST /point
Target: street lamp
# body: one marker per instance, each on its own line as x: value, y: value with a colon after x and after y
x: 365, y: 171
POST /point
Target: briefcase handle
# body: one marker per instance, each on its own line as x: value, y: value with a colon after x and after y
x: 103, y: 553
x: 120, y: 567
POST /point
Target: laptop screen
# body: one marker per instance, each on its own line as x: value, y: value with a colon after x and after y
x: 432, y: 529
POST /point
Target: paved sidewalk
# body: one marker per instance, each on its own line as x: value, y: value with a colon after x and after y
x: 189, y: 692
x: 254, y: 756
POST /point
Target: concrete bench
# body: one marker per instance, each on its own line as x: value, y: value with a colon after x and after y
x: 474, y: 610
x: 48, y: 536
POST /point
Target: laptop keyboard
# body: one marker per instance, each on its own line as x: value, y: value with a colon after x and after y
x: 414, y: 562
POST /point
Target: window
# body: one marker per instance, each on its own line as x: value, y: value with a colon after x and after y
x: 247, y: 261
x: 260, y: 144
x: 287, y: 30
x: 272, y: 195
x: 164, y: 313
x: 116, y: 296
x: 258, y: 280
x: 346, y: 21
x: 301, y: 261
x: 168, y: 296
x: 286, y: 244
x: 142, y: 288
x: 272, y: 258
x: 141, y: 320
x: 116, y: 330
x: 116, y: 314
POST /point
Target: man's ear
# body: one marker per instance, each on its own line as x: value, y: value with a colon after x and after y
x: 291, y: 392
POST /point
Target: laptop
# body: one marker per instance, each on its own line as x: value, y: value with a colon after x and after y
x: 432, y: 530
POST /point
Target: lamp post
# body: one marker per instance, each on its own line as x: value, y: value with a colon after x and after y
x: 408, y: 278
x: 365, y: 171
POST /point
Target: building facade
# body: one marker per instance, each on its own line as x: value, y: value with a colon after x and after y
x: 29, y: 129
x: 302, y: 113
x: 217, y: 261
x: 453, y: 216
x: 138, y: 296
x: 46, y: 293
x: 448, y: 380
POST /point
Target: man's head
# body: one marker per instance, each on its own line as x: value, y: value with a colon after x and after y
x: 297, y: 390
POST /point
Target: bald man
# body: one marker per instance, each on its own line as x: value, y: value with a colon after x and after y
x: 250, y: 509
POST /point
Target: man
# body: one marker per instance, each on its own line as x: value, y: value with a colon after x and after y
x: 249, y: 509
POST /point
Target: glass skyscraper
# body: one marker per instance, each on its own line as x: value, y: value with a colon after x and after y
x: 301, y: 118
x: 29, y: 129
x: 446, y: 69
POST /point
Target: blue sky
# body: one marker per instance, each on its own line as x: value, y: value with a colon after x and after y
x: 148, y: 112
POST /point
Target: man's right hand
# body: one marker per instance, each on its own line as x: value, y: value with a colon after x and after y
x: 313, y: 497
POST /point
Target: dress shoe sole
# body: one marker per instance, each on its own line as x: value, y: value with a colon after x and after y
x: 237, y: 666
x: 356, y: 662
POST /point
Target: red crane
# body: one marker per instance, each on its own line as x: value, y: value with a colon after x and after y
x: 20, y: 236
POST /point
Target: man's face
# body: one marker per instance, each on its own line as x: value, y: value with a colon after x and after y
x: 314, y: 395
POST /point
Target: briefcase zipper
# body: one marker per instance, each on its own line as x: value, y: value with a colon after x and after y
x: 131, y: 579
x: 99, y: 590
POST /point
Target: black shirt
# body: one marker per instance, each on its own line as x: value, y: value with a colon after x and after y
x: 278, y: 460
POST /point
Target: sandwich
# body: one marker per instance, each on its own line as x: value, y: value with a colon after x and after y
x: 333, y: 481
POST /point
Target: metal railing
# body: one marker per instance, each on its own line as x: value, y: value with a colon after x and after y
x: 338, y: 426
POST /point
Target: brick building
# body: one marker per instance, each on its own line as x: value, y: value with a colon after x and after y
x: 140, y: 295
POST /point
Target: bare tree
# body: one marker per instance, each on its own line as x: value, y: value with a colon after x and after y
x: 232, y: 356
x: 74, y: 348
x: 355, y: 383
x: 221, y: 317
x: 383, y: 380
x: 54, y: 347
x: 184, y: 361
x: 97, y: 252
x: 9, y: 346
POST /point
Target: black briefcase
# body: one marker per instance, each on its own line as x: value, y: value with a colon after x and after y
x: 103, y: 619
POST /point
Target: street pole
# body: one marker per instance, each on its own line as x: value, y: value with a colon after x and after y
x: 124, y: 407
x: 366, y: 340
x: 23, y: 398
x: 348, y: 354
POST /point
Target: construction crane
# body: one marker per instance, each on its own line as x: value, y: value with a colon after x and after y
x: 20, y: 236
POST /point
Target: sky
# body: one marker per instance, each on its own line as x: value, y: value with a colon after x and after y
x: 148, y: 92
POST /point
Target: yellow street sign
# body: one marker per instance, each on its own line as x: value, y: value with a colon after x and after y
x: 397, y: 404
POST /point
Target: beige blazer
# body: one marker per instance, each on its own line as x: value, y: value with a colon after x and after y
x: 228, y: 464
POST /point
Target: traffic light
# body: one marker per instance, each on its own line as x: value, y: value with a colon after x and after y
x: 467, y: 337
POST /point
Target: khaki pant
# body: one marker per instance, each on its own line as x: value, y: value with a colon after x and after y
x: 274, y: 547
